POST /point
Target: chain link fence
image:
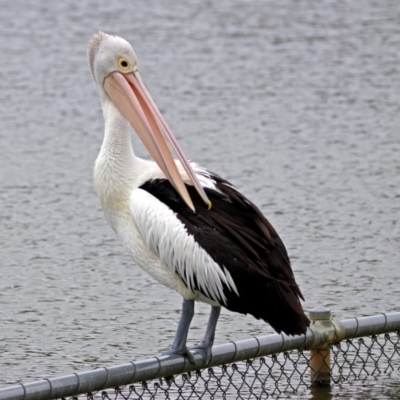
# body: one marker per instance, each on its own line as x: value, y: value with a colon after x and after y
x: 349, y: 358
x: 285, y: 375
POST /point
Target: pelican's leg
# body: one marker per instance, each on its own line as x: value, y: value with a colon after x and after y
x: 179, y: 345
x: 204, y: 348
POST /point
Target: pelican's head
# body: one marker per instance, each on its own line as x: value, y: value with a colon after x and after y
x: 108, y: 54
x: 113, y: 63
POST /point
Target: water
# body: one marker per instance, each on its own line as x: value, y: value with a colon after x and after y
x: 297, y: 103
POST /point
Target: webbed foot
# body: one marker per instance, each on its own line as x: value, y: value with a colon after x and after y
x: 204, y: 350
x: 182, y: 352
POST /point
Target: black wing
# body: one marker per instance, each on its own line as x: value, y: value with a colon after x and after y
x: 237, y: 236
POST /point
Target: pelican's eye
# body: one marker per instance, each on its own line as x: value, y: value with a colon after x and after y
x: 124, y: 64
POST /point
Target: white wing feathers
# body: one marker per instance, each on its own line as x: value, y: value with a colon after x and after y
x: 167, y: 237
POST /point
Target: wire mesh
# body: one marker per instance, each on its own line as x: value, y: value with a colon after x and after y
x: 290, y: 374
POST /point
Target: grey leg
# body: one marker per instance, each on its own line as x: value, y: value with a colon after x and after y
x: 204, y: 348
x: 179, y: 345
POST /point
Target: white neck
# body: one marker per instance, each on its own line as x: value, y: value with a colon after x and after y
x: 117, y: 139
x: 115, y: 164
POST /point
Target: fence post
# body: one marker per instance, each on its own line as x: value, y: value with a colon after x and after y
x: 320, y: 357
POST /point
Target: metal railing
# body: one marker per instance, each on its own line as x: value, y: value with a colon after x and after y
x: 270, y: 365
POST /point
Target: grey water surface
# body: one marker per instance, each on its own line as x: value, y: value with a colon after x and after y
x: 296, y: 103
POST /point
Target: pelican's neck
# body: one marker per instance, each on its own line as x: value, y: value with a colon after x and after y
x: 117, y: 143
x: 116, y: 163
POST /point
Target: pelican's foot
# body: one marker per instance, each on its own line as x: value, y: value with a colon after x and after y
x: 204, y: 350
x: 182, y: 352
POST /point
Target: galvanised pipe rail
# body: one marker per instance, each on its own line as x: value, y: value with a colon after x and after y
x: 323, y: 330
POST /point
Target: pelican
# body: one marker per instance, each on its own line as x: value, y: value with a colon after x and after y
x: 187, y: 227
